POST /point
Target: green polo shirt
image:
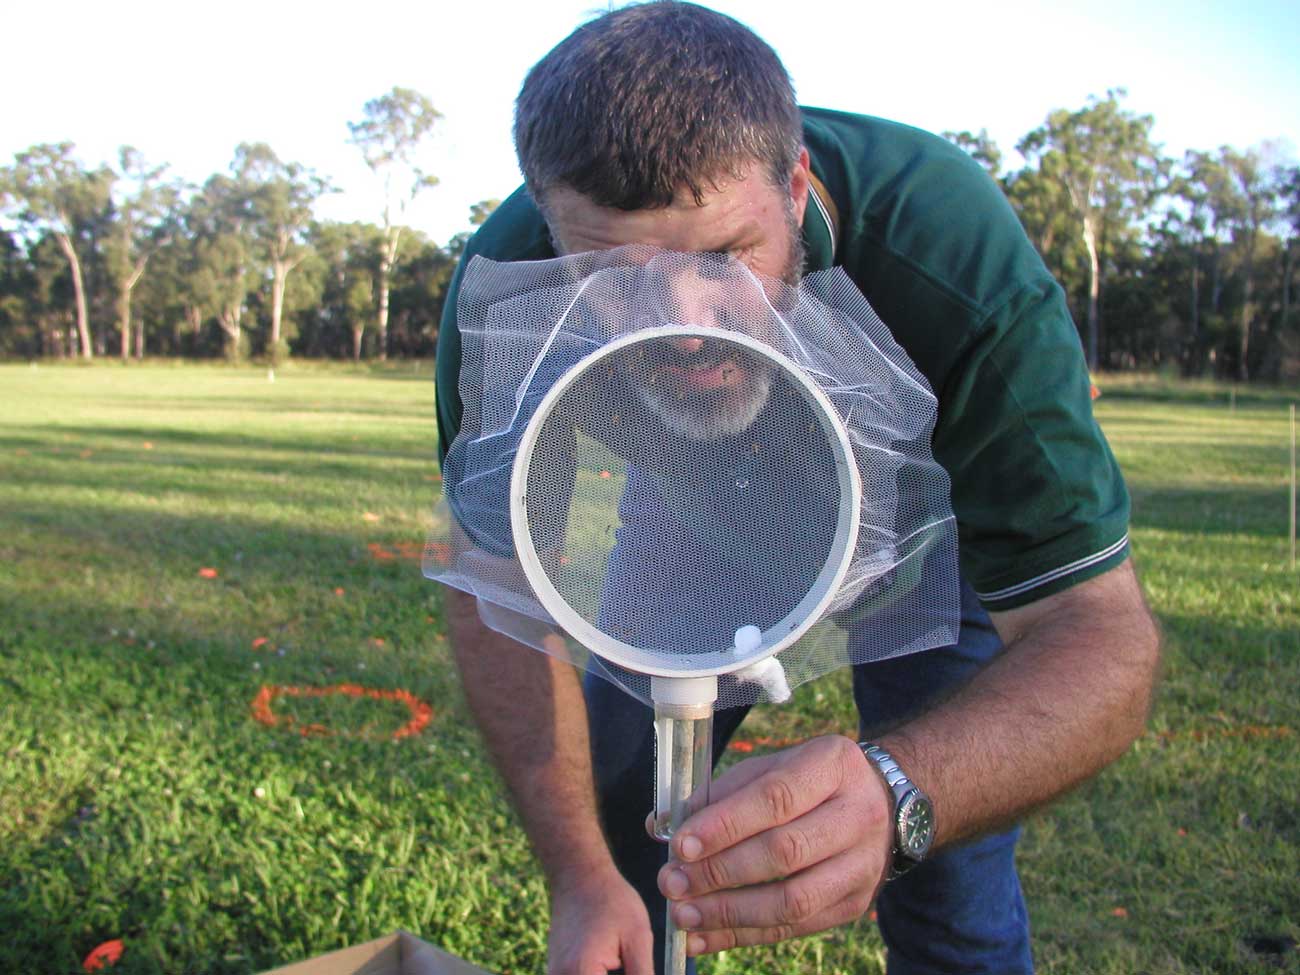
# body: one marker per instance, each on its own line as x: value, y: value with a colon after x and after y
x: 934, y: 245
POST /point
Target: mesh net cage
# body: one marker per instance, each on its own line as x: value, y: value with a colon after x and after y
x: 712, y: 451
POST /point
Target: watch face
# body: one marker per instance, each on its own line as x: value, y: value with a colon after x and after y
x: 915, y: 825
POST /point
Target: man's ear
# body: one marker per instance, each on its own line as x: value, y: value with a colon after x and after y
x: 800, y: 179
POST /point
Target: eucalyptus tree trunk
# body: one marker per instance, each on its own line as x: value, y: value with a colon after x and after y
x: 79, y: 291
x: 1247, y: 311
x: 279, y: 273
x: 124, y: 306
x: 1094, y: 290
x: 388, y: 259
x: 230, y: 319
x: 280, y: 268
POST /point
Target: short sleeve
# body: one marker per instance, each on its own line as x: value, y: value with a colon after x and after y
x: 1040, y: 501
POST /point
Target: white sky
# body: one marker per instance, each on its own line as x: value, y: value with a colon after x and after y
x: 185, y: 83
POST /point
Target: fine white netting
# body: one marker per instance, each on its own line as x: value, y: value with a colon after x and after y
x: 685, y: 482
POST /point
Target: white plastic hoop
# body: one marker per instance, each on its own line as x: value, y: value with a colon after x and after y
x: 777, y: 637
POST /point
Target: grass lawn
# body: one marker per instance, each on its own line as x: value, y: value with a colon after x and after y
x: 180, y: 544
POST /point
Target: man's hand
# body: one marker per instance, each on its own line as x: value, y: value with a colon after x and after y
x: 599, y: 925
x: 790, y: 844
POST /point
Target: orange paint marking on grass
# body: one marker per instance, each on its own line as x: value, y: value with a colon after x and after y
x: 104, y: 955
x: 147, y: 445
x: 261, y: 641
x: 763, y: 741
x: 410, y: 551
x: 207, y: 572
x: 1119, y: 912
x: 370, y: 516
x: 338, y: 590
x: 421, y: 712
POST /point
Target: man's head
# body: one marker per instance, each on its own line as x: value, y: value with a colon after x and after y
x: 670, y: 124
x: 649, y: 100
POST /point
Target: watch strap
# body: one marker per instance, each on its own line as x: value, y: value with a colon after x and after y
x: 901, y: 787
x: 899, y: 784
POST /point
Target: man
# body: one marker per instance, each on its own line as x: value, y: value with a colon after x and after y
x: 671, y: 125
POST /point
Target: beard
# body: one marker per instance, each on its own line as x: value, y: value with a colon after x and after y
x: 745, y: 381
x: 706, y: 414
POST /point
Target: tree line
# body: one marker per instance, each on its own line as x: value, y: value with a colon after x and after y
x: 126, y: 261
x: 1183, y: 264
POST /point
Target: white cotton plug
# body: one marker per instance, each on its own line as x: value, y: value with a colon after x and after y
x: 768, y: 673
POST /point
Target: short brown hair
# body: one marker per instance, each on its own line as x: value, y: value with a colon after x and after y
x: 649, y: 98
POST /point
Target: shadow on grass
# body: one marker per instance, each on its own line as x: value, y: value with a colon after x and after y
x: 1258, y: 512
x: 162, y: 437
x: 330, y: 486
x: 219, y: 469
x: 281, y: 405
x: 1259, y: 652
x: 1199, y: 394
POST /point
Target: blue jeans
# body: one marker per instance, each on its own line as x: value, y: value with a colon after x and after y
x: 959, y: 912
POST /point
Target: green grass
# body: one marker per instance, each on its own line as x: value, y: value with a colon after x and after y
x: 140, y: 799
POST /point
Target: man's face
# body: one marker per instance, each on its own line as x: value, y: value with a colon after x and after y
x: 702, y: 389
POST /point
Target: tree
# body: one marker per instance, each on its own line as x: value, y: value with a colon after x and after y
x: 1044, y: 210
x: 219, y: 218
x: 281, y: 196
x: 1187, y: 245
x: 1245, y: 198
x: 19, y: 334
x: 388, y: 136
x: 1104, y: 158
x: 52, y: 193
x: 350, y: 254
x: 480, y: 211
x: 1289, y: 189
x: 141, y: 213
x: 419, y: 289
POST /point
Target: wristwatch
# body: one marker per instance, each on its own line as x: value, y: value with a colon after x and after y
x: 913, y: 812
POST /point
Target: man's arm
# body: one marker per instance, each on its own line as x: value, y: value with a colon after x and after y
x: 1069, y: 696
x: 799, y: 841
x: 530, y: 710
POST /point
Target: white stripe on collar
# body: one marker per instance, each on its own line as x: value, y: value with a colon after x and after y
x: 827, y: 223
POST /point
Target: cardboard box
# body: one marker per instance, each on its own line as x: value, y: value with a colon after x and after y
x: 397, y: 954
